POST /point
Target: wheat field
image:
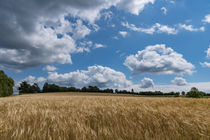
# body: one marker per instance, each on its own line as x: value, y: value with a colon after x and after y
x: 60, y: 116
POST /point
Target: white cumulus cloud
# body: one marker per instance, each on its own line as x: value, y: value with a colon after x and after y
x: 179, y: 81
x: 208, y: 53
x: 99, y: 46
x: 103, y: 77
x: 158, y: 59
x: 156, y: 28
x: 159, y: 28
x: 123, y: 33
x: 134, y: 6
x: 50, y: 68
x: 205, y: 64
x: 147, y: 83
x: 207, y: 19
x: 191, y: 28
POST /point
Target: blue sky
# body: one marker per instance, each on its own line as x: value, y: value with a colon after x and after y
x: 97, y: 43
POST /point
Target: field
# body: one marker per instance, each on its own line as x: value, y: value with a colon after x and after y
x: 59, y: 116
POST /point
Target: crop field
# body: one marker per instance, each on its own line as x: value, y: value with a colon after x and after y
x: 89, y: 116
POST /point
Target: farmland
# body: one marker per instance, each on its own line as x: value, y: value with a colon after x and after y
x: 103, y: 116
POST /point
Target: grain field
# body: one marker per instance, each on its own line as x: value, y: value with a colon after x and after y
x: 73, y: 116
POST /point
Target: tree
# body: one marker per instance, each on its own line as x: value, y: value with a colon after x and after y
x: 35, y: 88
x: 84, y: 89
x: 195, y: 93
x: 6, y: 85
x: 132, y: 91
x: 107, y: 90
x: 183, y: 93
x: 26, y: 88
x: 45, y: 87
x: 53, y: 88
x: 194, y: 89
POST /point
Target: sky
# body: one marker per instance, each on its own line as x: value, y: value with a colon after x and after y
x: 145, y: 45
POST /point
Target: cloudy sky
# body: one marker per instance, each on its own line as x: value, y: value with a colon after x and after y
x: 141, y: 44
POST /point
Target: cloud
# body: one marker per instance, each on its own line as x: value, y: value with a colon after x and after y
x: 84, y: 46
x: 99, y: 46
x: 165, y: 29
x: 42, y: 47
x: 202, y: 86
x: 159, y: 28
x: 49, y: 68
x: 179, y: 81
x: 38, y: 32
x: 208, y: 53
x: 171, y: 1
x: 80, y: 31
x: 123, y: 33
x: 147, y: 83
x: 103, y: 77
x: 134, y: 6
x: 115, y: 37
x: 107, y: 15
x: 86, y: 43
x: 191, y: 28
x: 206, y: 19
x: 205, y: 64
x: 113, y: 25
x: 156, y: 28
x: 164, y: 10
x: 31, y: 80
x: 158, y: 59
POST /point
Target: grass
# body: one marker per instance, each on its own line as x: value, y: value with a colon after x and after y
x: 100, y: 116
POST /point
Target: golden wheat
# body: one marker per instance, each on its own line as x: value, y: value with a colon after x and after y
x: 79, y: 116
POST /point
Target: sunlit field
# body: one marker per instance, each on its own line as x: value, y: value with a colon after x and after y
x: 100, y: 116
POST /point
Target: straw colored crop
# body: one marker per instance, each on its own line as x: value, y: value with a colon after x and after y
x: 81, y: 116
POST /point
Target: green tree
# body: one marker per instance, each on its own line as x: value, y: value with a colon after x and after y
x: 6, y: 85
x: 52, y: 88
x: 35, y: 88
x: 45, y: 87
x: 26, y: 88
x: 132, y: 91
x: 195, y: 93
x: 183, y: 93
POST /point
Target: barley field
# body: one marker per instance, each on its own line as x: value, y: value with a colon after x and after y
x: 80, y: 116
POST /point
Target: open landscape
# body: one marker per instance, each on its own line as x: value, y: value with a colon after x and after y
x: 103, y: 116
x: 104, y: 70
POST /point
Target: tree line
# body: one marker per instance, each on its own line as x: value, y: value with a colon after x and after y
x: 26, y: 88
